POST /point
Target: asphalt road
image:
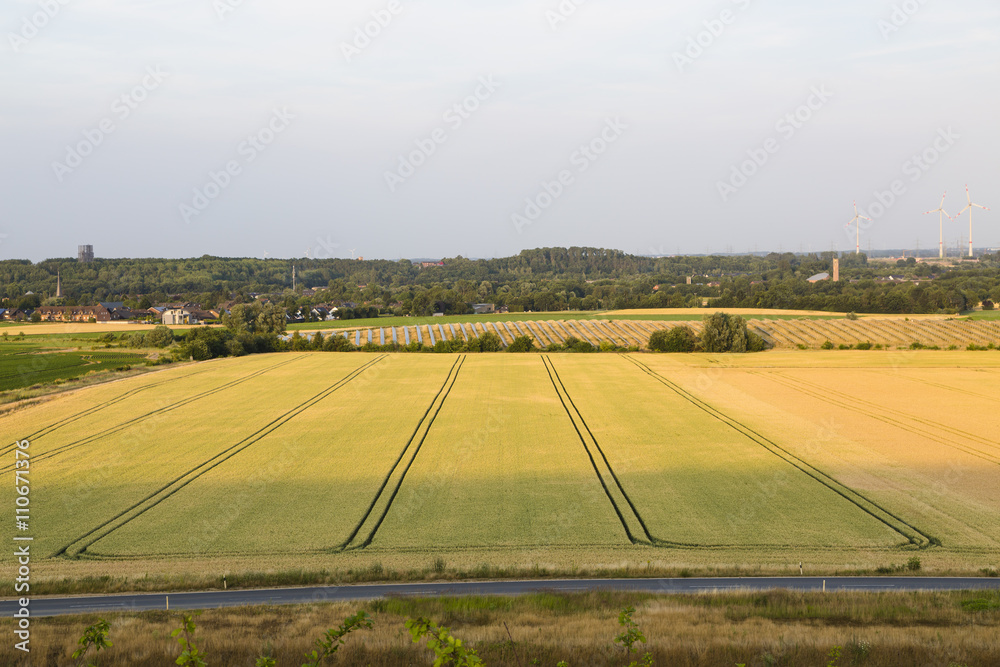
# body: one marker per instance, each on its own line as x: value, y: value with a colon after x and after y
x: 50, y: 606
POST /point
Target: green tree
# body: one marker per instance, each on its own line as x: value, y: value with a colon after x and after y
x: 728, y: 333
x: 334, y: 638
x: 630, y: 636
x: 160, y: 336
x: 677, y: 339
x: 490, y: 342
x: 94, y: 637
x: 447, y: 649
x: 190, y: 655
x: 522, y: 344
x: 255, y: 318
x: 300, y: 343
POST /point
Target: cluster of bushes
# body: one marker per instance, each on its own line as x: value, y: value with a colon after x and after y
x: 866, y: 345
x: 204, y: 344
x: 359, y: 313
x: 573, y: 344
x: 916, y: 345
x: 722, y: 333
x: 160, y: 336
x: 488, y: 342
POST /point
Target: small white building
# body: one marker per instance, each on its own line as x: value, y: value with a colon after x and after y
x: 175, y: 316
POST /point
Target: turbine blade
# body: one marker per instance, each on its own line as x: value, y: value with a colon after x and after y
x: 981, y: 206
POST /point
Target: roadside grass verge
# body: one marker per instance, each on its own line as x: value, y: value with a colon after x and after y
x: 436, y: 569
x: 775, y: 628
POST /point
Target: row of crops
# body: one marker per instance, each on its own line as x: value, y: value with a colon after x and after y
x: 635, y: 333
x: 890, y: 333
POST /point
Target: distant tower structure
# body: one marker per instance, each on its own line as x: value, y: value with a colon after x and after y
x: 836, y: 270
x: 59, y: 293
x: 293, y: 277
x: 85, y: 254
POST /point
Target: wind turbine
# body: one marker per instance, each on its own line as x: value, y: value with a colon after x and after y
x: 969, y: 209
x: 943, y: 213
x: 353, y: 250
x: 856, y: 221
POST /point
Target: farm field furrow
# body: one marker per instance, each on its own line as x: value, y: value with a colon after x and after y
x: 318, y: 472
x: 501, y: 468
x: 336, y: 461
x: 695, y: 480
x: 946, y: 491
x: 80, y: 544
x: 90, y: 486
x: 61, y: 412
x: 880, y: 397
x: 124, y: 415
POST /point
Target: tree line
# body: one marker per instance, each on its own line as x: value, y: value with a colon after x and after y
x: 546, y: 279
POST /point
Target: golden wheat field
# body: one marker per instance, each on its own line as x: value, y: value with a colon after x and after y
x: 840, y: 459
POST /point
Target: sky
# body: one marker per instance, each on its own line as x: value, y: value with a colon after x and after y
x: 400, y: 129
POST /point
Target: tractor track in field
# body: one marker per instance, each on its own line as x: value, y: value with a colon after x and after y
x: 425, y: 424
x: 574, y: 416
x: 913, y: 534
x: 96, y: 408
x: 167, y: 408
x: 816, y: 391
x: 178, y: 483
x: 964, y: 392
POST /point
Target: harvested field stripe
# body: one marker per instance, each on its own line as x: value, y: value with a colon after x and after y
x: 622, y: 333
x: 553, y: 331
x: 423, y: 425
x: 641, y: 337
x: 496, y: 329
x: 585, y: 333
x: 539, y: 333
x: 564, y: 397
x: 560, y: 327
x: 194, y: 473
x: 506, y: 325
x: 818, y: 392
x: 173, y: 406
x: 913, y: 534
x: 611, y: 331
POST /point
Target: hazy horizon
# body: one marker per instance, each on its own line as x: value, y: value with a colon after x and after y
x: 232, y: 128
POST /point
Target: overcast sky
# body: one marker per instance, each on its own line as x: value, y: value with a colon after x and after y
x: 645, y: 126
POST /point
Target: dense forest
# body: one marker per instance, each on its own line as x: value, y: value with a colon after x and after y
x: 546, y: 279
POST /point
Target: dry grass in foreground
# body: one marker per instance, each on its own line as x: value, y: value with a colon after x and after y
x: 773, y: 628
